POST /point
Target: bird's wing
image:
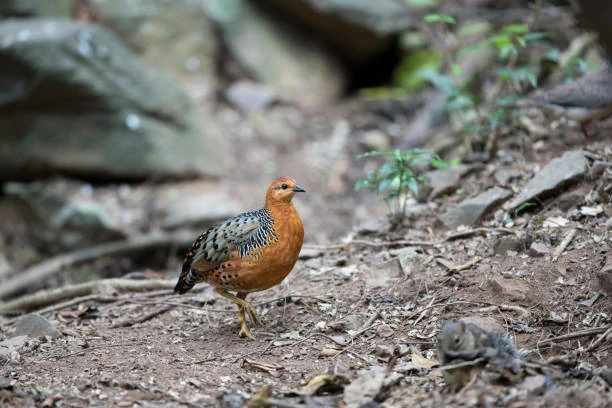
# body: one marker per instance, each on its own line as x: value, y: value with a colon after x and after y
x: 219, y: 243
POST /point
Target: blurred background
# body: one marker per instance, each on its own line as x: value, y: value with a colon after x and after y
x: 128, y: 118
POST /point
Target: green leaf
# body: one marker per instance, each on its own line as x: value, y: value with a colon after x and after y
x: 413, y: 185
x: 474, y: 28
x: 516, y: 29
x: 522, y: 207
x: 421, y: 3
x: 435, y: 18
x: 535, y: 36
x: 362, y: 184
x: 413, y: 70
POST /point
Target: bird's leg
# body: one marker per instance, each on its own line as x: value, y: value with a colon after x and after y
x: 249, y: 309
x: 243, y: 306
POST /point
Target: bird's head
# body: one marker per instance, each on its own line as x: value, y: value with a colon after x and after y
x: 282, y: 190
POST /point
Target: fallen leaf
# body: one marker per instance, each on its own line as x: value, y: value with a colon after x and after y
x: 329, y: 352
x: 422, y: 362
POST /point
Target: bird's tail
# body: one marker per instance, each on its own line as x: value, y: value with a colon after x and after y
x: 187, y: 278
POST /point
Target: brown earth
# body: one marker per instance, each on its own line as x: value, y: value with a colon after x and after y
x: 370, y: 299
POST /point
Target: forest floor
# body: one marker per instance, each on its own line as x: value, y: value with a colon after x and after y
x: 357, y: 321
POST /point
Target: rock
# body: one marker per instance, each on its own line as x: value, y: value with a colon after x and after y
x: 384, y: 331
x: 5, y: 384
x: 534, y: 384
x: 357, y: 30
x: 409, y: 259
x: 538, y: 249
x: 365, y: 387
x: 556, y: 175
x: 469, y: 211
x: 9, y: 348
x: 383, y: 350
x: 250, y: 96
x: 59, y: 217
x: 374, y: 140
x: 577, y: 396
x: 384, y: 274
x: 73, y: 99
x: 35, y: 8
x: 512, y: 289
x: 34, y: 325
x: 188, y: 51
x: 200, y: 203
x: 604, y: 279
x: 509, y: 243
x: 276, y: 54
x: 444, y: 181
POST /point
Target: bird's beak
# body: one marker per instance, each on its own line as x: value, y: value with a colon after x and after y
x: 299, y: 189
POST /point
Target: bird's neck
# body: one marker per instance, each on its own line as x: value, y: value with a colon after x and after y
x: 281, y: 209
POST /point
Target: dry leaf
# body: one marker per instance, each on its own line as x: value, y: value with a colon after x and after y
x: 422, y: 362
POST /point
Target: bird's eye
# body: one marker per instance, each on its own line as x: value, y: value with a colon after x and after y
x: 284, y: 186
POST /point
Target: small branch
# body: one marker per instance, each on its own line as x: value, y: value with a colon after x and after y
x: 479, y: 231
x: 142, y: 318
x: 575, y: 335
x: 600, y: 340
x: 566, y: 241
x: 46, y: 297
x: 85, y: 350
x: 369, y: 243
x: 50, y: 267
x: 422, y: 315
x: 366, y: 326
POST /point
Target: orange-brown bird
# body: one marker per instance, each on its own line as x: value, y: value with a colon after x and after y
x: 248, y: 253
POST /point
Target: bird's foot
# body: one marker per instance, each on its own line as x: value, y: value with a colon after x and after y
x: 244, y: 329
x: 253, y: 314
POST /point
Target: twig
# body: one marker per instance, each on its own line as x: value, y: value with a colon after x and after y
x: 575, y: 335
x: 369, y: 243
x: 566, y: 241
x: 512, y: 308
x: 469, y: 363
x: 46, y: 297
x: 600, y: 339
x: 422, y: 315
x: 366, y: 326
x: 54, y: 265
x: 479, y: 231
x: 142, y: 318
x: 85, y: 350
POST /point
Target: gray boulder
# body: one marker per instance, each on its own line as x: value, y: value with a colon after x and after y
x: 74, y: 100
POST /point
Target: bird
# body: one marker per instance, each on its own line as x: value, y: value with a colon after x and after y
x: 250, y: 252
x: 584, y: 100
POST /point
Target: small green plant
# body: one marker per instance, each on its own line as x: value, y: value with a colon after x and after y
x: 474, y: 112
x: 396, y: 180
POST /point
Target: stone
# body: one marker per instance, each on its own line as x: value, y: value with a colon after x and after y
x: 58, y: 217
x: 470, y: 211
x: 278, y: 55
x: 35, y: 8
x: 74, y: 100
x: 555, y: 176
x: 249, y: 96
x: 444, y: 181
x: 195, y: 203
x: 34, y: 325
x: 538, y: 249
x: 188, y: 51
x: 534, y: 384
x: 384, y: 274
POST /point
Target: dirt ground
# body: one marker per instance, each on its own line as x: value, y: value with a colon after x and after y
x: 356, y: 322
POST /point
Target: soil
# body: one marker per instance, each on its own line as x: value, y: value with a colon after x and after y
x: 363, y: 299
